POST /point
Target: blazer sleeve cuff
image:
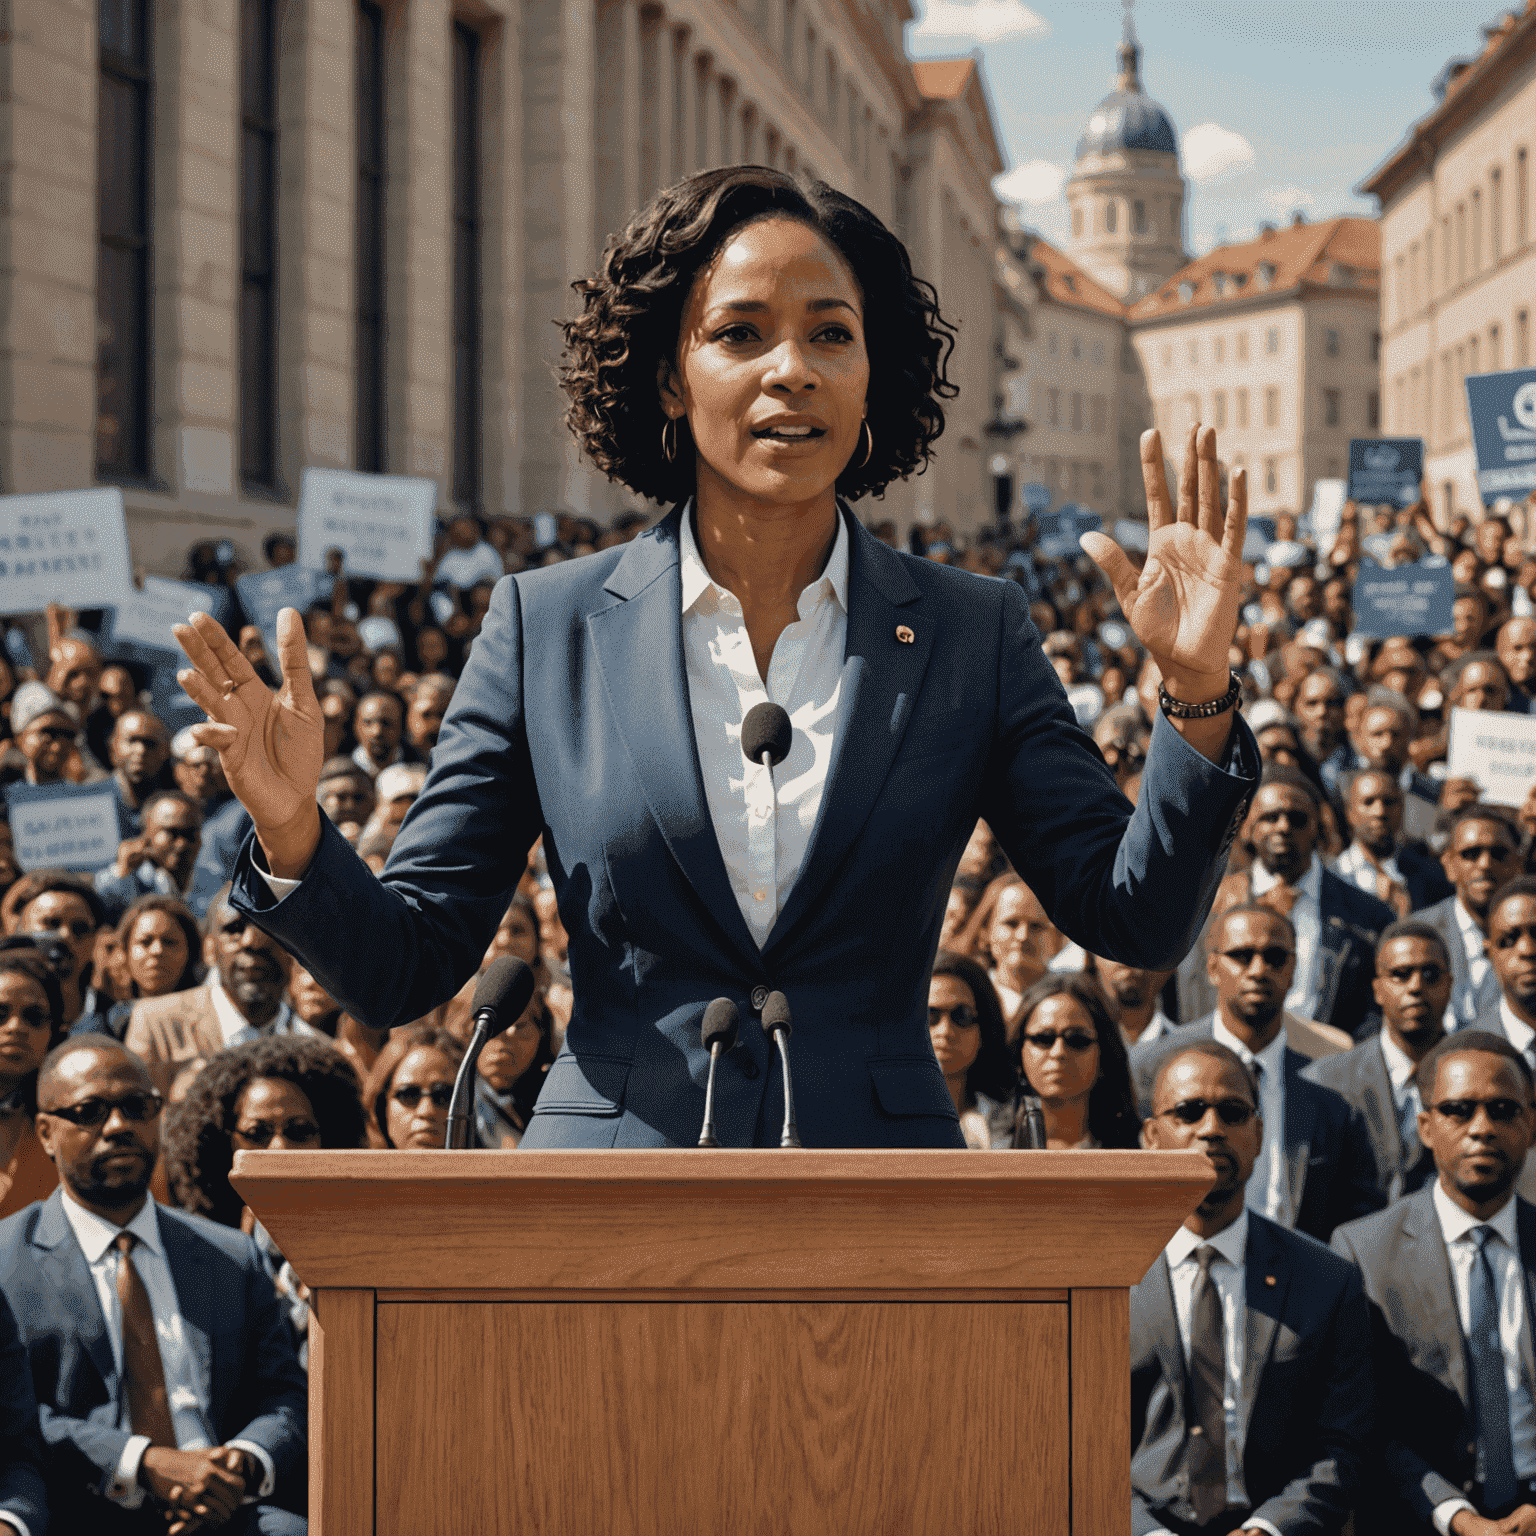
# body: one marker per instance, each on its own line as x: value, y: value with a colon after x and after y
x: 1254, y: 1523
x: 268, y: 1471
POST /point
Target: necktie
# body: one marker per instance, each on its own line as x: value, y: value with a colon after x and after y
x: 149, y: 1408
x: 1207, y: 1396
x: 1408, y: 1126
x: 1279, y: 898
x: 1489, y: 1391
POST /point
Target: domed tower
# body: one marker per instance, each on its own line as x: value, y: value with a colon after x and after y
x: 1127, y: 192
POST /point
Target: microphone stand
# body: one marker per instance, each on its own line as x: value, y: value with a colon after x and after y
x: 460, y: 1107
x: 791, y: 1134
x: 707, y: 1132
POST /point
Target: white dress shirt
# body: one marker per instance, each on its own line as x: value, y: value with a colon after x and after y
x: 1156, y: 1027
x: 1514, y: 1326
x: 237, y: 1029
x: 1307, y: 920
x: 1478, y: 963
x: 1359, y: 868
x: 1228, y: 1276
x: 1521, y: 1035
x: 183, y: 1386
x: 763, y: 818
x: 1401, y: 1068
x: 1269, y: 1188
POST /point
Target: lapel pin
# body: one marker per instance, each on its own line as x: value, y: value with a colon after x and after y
x: 904, y: 634
x: 1269, y: 1279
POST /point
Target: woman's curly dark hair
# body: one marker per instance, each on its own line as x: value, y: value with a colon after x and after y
x: 633, y: 310
x: 197, y: 1133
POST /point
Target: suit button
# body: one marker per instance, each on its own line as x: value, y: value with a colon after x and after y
x: 1196, y: 1430
x: 1468, y: 1486
x: 759, y: 997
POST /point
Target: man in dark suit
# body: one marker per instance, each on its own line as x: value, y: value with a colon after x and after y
x: 1511, y: 950
x: 1251, y: 1391
x: 23, y: 1503
x: 1401, y: 873
x: 170, y: 1395
x: 1336, y: 923
x: 1448, y: 1272
x: 1316, y: 1169
x: 1413, y: 988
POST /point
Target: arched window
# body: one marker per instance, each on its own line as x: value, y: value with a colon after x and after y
x: 1110, y: 216
x: 1077, y: 223
x: 1138, y: 217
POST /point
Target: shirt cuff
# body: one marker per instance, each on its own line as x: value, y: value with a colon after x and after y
x: 15, y: 1522
x: 269, y: 1472
x: 1259, y: 1525
x: 1444, y: 1513
x: 125, y: 1489
x: 275, y: 883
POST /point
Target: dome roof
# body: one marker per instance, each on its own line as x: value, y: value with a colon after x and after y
x: 1128, y: 118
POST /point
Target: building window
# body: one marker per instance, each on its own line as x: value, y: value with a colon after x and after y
x: 1077, y: 347
x: 1053, y: 407
x: 1077, y: 223
x: 1522, y: 199
x: 1240, y: 401
x: 370, y: 237
x: 1477, y: 230
x: 1219, y: 348
x: 123, y: 249
x: 1242, y: 346
x: 1330, y: 407
x: 1271, y: 407
x: 1271, y: 476
x: 1098, y: 353
x: 1096, y: 409
x: 1272, y: 341
x: 1051, y: 344
x: 1495, y: 349
x: 1194, y: 351
x: 466, y: 266
x: 1373, y: 410
x: 258, y: 242
x: 1077, y: 411
x: 1461, y: 242
x: 1496, y: 214
x: 1219, y: 408
x: 1523, y: 339
x: 1109, y: 216
x: 1331, y: 342
x: 1375, y: 346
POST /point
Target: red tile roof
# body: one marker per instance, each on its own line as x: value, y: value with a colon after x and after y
x: 943, y: 79
x: 1066, y: 283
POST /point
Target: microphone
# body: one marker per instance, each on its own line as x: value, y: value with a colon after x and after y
x: 501, y: 996
x: 776, y: 1025
x: 765, y: 736
x: 1031, y: 1123
x: 721, y: 1019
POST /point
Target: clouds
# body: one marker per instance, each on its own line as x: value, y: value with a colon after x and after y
x: 1211, y: 153
x: 1286, y: 200
x: 978, y: 21
x: 1037, y: 182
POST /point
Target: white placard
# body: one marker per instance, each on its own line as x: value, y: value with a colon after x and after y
x: 68, y: 547
x: 64, y: 826
x: 145, y: 617
x: 1496, y: 750
x: 382, y: 524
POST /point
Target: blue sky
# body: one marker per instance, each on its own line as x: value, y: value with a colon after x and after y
x: 1279, y: 105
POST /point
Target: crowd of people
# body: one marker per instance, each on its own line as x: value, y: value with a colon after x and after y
x: 1343, y: 1329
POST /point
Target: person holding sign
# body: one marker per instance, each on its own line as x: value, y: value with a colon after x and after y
x: 759, y: 353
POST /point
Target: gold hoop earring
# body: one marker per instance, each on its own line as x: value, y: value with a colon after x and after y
x: 669, y: 449
x: 871, y: 448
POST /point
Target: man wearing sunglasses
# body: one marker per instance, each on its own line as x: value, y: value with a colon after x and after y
x: 1251, y: 1389
x: 1316, y: 1169
x: 1449, y: 1273
x: 163, y: 1367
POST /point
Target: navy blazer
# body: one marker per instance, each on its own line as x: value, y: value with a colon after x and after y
x: 572, y: 720
x: 251, y: 1378
x: 1308, y: 1400
x: 21, y: 1441
x: 1428, y: 1429
x: 1352, y: 921
x: 1332, y: 1171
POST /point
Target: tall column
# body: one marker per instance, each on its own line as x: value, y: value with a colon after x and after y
x: 724, y: 102
x: 619, y: 128
x: 701, y: 79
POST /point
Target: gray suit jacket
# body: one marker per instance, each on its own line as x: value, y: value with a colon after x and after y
x: 1308, y: 1398
x: 1468, y: 1002
x: 1426, y: 1452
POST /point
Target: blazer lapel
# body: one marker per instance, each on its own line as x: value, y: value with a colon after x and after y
x: 63, y: 1265
x: 1426, y: 1268
x: 1381, y: 1120
x: 1300, y: 1121
x: 1264, y: 1263
x: 639, y: 647
x: 881, y: 678
x: 194, y: 1298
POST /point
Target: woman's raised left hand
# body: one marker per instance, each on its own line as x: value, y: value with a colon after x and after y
x: 1183, y: 604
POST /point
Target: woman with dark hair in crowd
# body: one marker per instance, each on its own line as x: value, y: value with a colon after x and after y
x: 65, y: 906
x: 408, y: 1092
x: 31, y: 1024
x: 759, y: 352
x: 511, y: 1072
x: 1075, y: 1063
x: 965, y: 1025
x: 162, y: 952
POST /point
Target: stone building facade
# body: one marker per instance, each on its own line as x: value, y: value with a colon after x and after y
x: 243, y: 237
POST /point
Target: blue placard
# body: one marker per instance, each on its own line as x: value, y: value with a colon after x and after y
x: 1502, y: 407
x: 1035, y: 496
x: 264, y: 594
x: 1411, y: 600
x: 1385, y: 470
x: 1059, y: 530
x: 65, y: 826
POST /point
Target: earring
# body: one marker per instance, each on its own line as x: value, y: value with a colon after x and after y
x: 669, y: 449
x: 871, y: 448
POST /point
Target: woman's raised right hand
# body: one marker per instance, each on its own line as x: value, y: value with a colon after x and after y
x: 271, y: 745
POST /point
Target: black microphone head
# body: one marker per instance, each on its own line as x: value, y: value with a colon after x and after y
x: 721, y: 1019
x: 504, y: 990
x: 766, y: 729
x: 776, y: 1013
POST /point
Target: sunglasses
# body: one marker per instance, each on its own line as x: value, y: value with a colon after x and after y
x: 1073, y: 1039
x: 91, y: 1113
x: 410, y: 1094
x: 1275, y: 956
x: 1193, y: 1111
x: 963, y: 1017
x: 262, y: 1134
x: 1461, y: 1111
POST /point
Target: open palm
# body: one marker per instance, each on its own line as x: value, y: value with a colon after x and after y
x: 1183, y: 604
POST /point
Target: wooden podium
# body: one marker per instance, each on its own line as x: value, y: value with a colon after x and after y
x: 695, y: 1343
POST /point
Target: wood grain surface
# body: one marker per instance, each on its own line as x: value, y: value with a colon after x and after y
x: 763, y: 1419
x: 1101, y: 1413
x: 341, y: 1422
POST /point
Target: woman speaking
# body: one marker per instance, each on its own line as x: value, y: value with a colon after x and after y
x: 759, y: 353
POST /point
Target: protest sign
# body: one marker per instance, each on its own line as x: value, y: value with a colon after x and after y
x: 142, y: 619
x: 1059, y: 530
x: 1497, y: 751
x: 1035, y: 496
x: 382, y: 524
x: 1502, y: 408
x: 264, y: 595
x: 1385, y: 470
x: 1411, y: 600
x: 64, y: 826
x: 1129, y: 534
x: 66, y: 547
x: 1326, y: 513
